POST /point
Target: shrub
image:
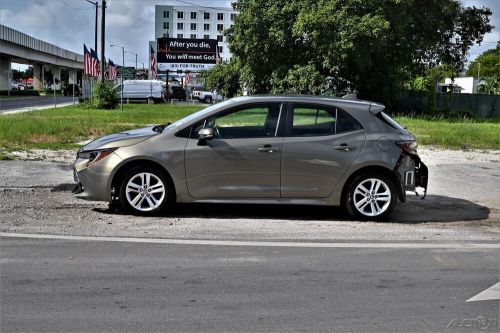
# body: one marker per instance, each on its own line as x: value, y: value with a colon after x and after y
x: 104, y: 97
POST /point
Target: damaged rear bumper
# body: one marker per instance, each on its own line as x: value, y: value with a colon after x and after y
x: 421, y: 175
x: 413, y: 174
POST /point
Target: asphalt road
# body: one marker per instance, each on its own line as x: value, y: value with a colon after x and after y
x: 16, y: 103
x: 66, y: 286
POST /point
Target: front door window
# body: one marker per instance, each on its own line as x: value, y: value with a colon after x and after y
x: 257, y: 121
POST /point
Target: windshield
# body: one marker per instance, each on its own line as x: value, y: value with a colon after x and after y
x: 198, y: 114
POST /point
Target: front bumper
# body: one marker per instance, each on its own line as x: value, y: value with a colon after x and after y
x: 93, y: 182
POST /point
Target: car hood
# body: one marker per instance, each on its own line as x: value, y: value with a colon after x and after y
x: 121, y: 139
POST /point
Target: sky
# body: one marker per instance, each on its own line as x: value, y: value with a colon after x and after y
x: 69, y: 23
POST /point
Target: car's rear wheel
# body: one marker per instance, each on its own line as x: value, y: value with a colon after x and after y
x: 207, y: 100
x: 145, y: 191
x: 371, y: 197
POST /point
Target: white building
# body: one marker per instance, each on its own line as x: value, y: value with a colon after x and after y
x: 466, y: 85
x: 195, y: 23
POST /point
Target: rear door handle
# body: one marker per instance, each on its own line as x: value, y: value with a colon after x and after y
x: 345, y: 147
x: 268, y: 149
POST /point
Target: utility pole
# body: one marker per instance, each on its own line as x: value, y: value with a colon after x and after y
x: 103, y: 34
x: 121, y: 74
x: 135, y: 71
x: 96, y: 4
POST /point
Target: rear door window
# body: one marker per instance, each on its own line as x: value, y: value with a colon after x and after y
x: 311, y: 120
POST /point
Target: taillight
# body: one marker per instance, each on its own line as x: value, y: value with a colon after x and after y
x: 409, y: 147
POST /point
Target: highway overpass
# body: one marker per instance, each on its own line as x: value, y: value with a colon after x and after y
x: 19, y: 47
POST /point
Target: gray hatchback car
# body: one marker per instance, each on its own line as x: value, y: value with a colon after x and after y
x: 259, y: 150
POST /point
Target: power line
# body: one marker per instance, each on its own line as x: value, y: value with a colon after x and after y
x: 208, y: 7
x: 75, y: 8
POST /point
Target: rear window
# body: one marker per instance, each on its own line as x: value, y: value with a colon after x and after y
x: 391, y: 122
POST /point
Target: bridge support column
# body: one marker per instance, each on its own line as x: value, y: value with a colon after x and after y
x: 5, y: 73
x: 56, y: 72
x: 38, y: 76
x: 72, y: 76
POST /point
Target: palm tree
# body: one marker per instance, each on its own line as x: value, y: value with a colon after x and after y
x: 489, y: 85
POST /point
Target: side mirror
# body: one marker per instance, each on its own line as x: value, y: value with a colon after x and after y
x: 205, y: 134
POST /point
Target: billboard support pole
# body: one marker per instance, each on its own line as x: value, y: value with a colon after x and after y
x: 168, y: 91
x: 121, y: 99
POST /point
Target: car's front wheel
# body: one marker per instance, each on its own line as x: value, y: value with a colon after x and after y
x: 371, y: 197
x: 145, y: 191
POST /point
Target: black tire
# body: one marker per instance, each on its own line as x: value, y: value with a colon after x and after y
x: 371, y: 205
x: 207, y: 100
x: 126, y: 201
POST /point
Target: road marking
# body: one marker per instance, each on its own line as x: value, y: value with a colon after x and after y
x: 366, y: 245
x: 446, y: 262
x: 491, y: 293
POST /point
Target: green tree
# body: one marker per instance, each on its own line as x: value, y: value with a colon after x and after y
x: 487, y: 64
x: 299, y: 80
x: 223, y: 78
x: 431, y: 76
x: 369, y: 46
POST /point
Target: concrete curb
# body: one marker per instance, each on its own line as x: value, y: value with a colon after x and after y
x: 41, y: 107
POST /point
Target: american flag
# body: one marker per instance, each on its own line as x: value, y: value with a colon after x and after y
x: 87, y: 61
x: 95, y: 64
x: 187, y: 78
x: 106, y: 71
x: 152, y: 64
x: 112, y: 70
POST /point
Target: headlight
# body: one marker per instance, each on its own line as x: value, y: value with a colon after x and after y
x: 95, y: 155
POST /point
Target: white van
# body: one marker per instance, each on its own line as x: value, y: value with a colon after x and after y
x: 149, y: 90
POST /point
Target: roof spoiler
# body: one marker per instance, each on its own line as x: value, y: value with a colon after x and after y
x: 350, y: 96
x: 375, y: 108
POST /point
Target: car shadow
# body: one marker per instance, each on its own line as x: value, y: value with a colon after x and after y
x: 434, y: 208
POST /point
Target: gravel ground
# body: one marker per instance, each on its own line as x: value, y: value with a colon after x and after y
x: 463, y: 204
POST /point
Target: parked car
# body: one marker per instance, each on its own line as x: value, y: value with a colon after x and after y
x: 16, y: 86
x: 68, y: 91
x: 260, y: 149
x: 206, y: 96
x: 176, y: 92
x: 147, y: 90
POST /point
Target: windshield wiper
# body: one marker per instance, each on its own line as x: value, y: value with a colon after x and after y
x: 159, y: 128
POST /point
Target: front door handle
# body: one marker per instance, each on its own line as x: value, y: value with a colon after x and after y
x: 268, y: 149
x: 345, y: 147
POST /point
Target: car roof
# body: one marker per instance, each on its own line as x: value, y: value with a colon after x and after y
x: 349, y: 104
x: 340, y: 102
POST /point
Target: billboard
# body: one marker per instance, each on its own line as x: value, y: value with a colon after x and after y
x: 186, y: 54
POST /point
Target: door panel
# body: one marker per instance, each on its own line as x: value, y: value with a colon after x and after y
x: 243, y: 158
x: 315, y: 156
x: 234, y: 168
x: 312, y: 166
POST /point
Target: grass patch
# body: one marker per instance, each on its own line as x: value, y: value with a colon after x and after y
x: 62, y: 128
x: 454, y: 133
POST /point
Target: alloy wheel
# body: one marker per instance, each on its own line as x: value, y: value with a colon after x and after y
x: 372, y: 197
x: 145, y: 191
